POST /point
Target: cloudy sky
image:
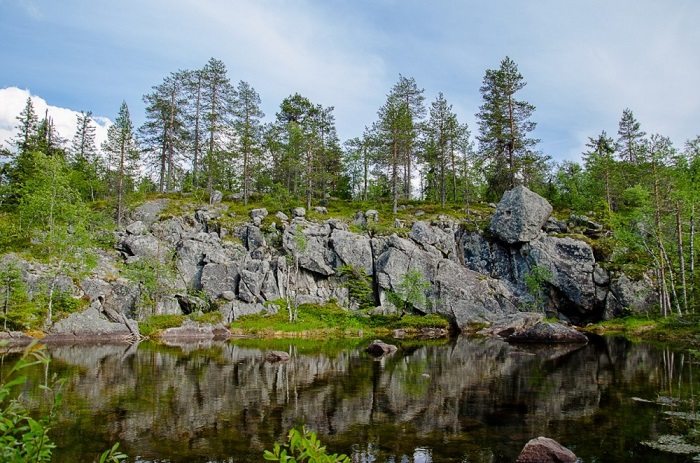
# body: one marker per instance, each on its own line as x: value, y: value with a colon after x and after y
x: 584, y: 61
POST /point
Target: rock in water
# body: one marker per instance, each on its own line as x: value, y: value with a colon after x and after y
x: 520, y: 216
x: 546, y: 332
x: 277, y: 356
x: 379, y: 347
x: 545, y: 450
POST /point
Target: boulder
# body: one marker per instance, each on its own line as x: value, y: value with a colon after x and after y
x: 548, y: 332
x: 519, y: 216
x: 277, y: 356
x: 298, y: 212
x: 215, y: 197
x: 258, y: 213
x: 217, y: 279
x: 570, y: 264
x: 353, y: 249
x: 89, y: 325
x: 545, y: 450
x: 321, y: 210
x: 372, y: 215
x: 467, y: 297
x: 379, y: 347
x: 136, y: 228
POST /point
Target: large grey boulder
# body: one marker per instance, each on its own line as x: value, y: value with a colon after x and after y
x: 219, y: 278
x: 629, y: 296
x: 353, y: 249
x: 89, y: 325
x: 467, y: 297
x: 570, y: 264
x: 519, y: 216
x: 309, y: 243
x: 464, y: 296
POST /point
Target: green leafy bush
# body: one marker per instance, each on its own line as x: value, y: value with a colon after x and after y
x: 303, y: 446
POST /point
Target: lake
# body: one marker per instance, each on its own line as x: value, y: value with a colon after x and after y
x: 459, y: 400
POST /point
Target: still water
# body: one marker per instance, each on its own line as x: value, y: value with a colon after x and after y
x: 458, y: 400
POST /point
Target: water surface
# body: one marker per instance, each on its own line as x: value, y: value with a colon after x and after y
x: 462, y: 400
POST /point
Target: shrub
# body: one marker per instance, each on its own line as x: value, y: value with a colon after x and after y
x: 303, y: 446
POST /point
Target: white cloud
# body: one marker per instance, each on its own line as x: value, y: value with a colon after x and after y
x: 13, y: 100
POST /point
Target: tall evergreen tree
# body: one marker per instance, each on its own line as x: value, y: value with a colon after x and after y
x: 247, y: 128
x: 630, y: 144
x: 123, y: 156
x: 602, y: 171
x: 442, y: 132
x: 407, y: 91
x: 217, y: 107
x: 163, y: 133
x: 27, y: 129
x: 394, y: 130
x: 85, y: 160
x: 504, y: 127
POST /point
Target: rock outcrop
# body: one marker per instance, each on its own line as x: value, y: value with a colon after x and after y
x: 468, y: 276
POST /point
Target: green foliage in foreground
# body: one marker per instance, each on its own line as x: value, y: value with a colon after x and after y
x: 332, y: 319
x: 23, y: 438
x: 303, y: 446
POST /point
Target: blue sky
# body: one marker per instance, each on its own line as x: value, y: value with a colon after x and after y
x: 584, y: 61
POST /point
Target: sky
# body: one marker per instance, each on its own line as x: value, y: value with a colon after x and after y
x: 584, y: 61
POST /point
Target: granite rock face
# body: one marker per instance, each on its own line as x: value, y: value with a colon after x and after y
x: 467, y: 276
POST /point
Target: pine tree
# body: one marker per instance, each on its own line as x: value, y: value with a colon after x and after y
x: 123, y: 156
x: 504, y: 126
x: 217, y: 107
x: 407, y: 91
x: 163, y: 133
x: 630, y: 144
x: 394, y: 130
x: 247, y: 129
x: 442, y: 133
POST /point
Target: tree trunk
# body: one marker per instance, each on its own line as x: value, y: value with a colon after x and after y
x: 681, y: 257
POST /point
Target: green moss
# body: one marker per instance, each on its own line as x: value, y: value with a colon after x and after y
x: 210, y: 317
x: 330, y: 321
x: 160, y: 322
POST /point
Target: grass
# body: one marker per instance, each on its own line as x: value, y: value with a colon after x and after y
x: 329, y: 321
x: 682, y: 329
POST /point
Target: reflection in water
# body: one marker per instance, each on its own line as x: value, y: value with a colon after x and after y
x: 466, y: 400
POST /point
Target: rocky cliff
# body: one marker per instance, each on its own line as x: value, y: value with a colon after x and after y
x: 474, y: 276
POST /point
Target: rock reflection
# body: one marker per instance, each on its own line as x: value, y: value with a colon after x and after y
x: 467, y: 400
